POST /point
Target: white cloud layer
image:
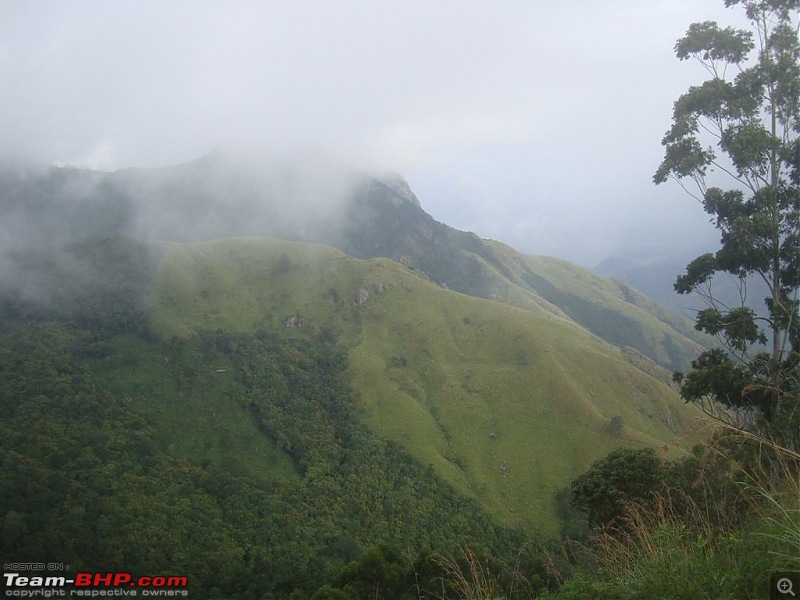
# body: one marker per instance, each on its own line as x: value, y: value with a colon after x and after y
x: 535, y: 123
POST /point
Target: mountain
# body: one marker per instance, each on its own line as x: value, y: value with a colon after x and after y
x: 657, y: 278
x: 653, y: 278
x: 308, y: 338
x: 476, y: 388
x: 363, y: 216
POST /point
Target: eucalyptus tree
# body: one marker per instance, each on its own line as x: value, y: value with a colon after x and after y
x: 733, y: 145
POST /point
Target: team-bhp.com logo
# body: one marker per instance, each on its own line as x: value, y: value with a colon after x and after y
x: 93, y: 585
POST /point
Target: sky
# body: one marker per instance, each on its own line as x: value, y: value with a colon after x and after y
x: 534, y: 123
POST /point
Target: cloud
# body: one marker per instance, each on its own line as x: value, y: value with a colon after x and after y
x: 435, y: 139
x: 553, y: 105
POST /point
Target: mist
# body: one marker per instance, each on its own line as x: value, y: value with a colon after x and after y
x: 68, y: 235
x: 536, y: 125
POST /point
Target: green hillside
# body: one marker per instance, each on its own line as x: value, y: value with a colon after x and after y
x: 380, y: 223
x: 256, y: 481
x: 609, y: 308
x: 286, y: 405
x: 507, y: 405
x: 215, y: 197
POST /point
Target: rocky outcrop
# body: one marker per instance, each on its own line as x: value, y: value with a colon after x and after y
x: 381, y: 288
x: 292, y: 322
x: 361, y: 296
x: 396, y: 183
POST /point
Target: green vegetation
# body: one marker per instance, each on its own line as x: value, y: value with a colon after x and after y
x: 750, y: 111
x: 381, y: 224
x: 93, y: 478
x: 473, y: 388
x: 716, y: 524
x: 616, y: 481
x: 239, y: 418
x: 96, y: 281
x: 376, y: 221
x: 610, y: 309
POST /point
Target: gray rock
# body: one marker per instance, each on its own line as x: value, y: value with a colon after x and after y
x: 404, y: 260
x: 292, y: 322
x: 400, y: 186
x: 361, y: 296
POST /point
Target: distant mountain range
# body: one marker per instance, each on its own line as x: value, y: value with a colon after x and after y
x: 656, y: 279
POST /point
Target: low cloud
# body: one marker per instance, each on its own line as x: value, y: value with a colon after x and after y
x: 550, y: 103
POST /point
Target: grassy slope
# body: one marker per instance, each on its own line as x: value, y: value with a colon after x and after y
x: 382, y: 224
x: 609, y: 308
x: 507, y: 405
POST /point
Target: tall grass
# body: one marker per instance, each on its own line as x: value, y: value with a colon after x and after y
x: 784, y: 526
x: 707, y: 540
x: 470, y: 576
x: 690, y: 546
x: 781, y: 510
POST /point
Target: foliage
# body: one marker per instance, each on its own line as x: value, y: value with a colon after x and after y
x: 668, y: 561
x: 782, y: 515
x: 380, y: 572
x: 714, y: 476
x: 97, y: 281
x: 613, y: 482
x: 471, y: 576
x: 750, y: 111
x: 89, y: 480
x: 717, y: 524
x: 468, y: 572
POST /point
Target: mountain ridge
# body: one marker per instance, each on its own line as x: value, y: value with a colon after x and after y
x: 364, y: 217
x: 378, y: 223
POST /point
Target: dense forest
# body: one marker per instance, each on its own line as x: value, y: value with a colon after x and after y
x: 90, y: 481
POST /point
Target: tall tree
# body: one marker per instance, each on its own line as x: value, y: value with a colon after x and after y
x: 739, y: 129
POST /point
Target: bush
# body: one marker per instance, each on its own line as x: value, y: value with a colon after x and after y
x: 613, y: 482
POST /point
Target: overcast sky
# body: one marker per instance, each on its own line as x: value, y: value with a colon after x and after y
x: 535, y: 123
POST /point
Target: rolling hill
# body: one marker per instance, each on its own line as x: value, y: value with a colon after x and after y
x: 505, y: 405
x: 287, y: 366
x: 469, y: 354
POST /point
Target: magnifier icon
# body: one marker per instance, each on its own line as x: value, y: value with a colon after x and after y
x: 784, y: 586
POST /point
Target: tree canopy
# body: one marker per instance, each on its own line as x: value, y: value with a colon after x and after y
x: 733, y: 145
